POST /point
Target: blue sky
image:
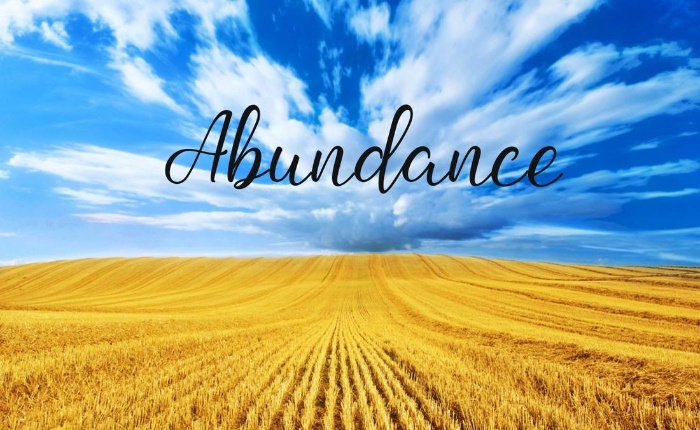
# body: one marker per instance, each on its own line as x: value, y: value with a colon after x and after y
x: 96, y: 95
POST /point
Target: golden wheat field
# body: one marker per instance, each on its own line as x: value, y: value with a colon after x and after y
x: 352, y: 341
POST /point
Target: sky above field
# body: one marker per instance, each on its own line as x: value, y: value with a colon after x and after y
x: 97, y: 94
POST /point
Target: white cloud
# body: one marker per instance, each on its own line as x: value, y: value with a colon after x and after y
x: 400, y: 208
x: 56, y: 34
x: 19, y: 17
x: 42, y: 58
x: 224, y: 80
x: 647, y: 195
x: 653, y: 144
x: 141, y: 82
x: 632, y: 177
x: 590, y: 64
x: 131, y: 23
x: 454, y: 52
x: 585, y: 245
x: 242, y: 222
x: 463, y: 213
x: 324, y: 213
x: 214, y: 12
x: 324, y: 10
x: 129, y: 175
x: 372, y: 23
x: 139, y: 25
x: 332, y: 56
x: 530, y: 230
x: 453, y: 60
x: 670, y: 256
x: 4, y: 174
x: 91, y: 197
x: 456, y: 57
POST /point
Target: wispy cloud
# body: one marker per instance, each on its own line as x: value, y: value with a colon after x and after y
x: 324, y: 10
x: 634, y: 176
x: 55, y: 33
x: 372, y: 23
x: 587, y: 245
x: 243, y: 222
x: 647, y: 195
x: 43, y: 58
x: 536, y: 230
x: 590, y: 64
x: 646, y: 145
x: 91, y: 197
x: 679, y: 258
x: 139, y: 80
x: 224, y: 80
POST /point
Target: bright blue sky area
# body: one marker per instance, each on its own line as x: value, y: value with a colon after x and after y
x: 97, y: 94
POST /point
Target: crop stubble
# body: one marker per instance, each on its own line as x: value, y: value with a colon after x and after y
x: 351, y: 341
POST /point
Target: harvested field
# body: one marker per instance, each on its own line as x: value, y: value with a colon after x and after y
x: 351, y: 341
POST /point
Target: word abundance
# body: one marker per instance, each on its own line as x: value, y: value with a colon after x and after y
x: 254, y: 156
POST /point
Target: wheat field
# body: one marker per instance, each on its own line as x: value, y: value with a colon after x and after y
x: 351, y: 341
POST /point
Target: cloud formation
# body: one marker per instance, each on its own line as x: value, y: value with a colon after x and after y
x: 465, y: 69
